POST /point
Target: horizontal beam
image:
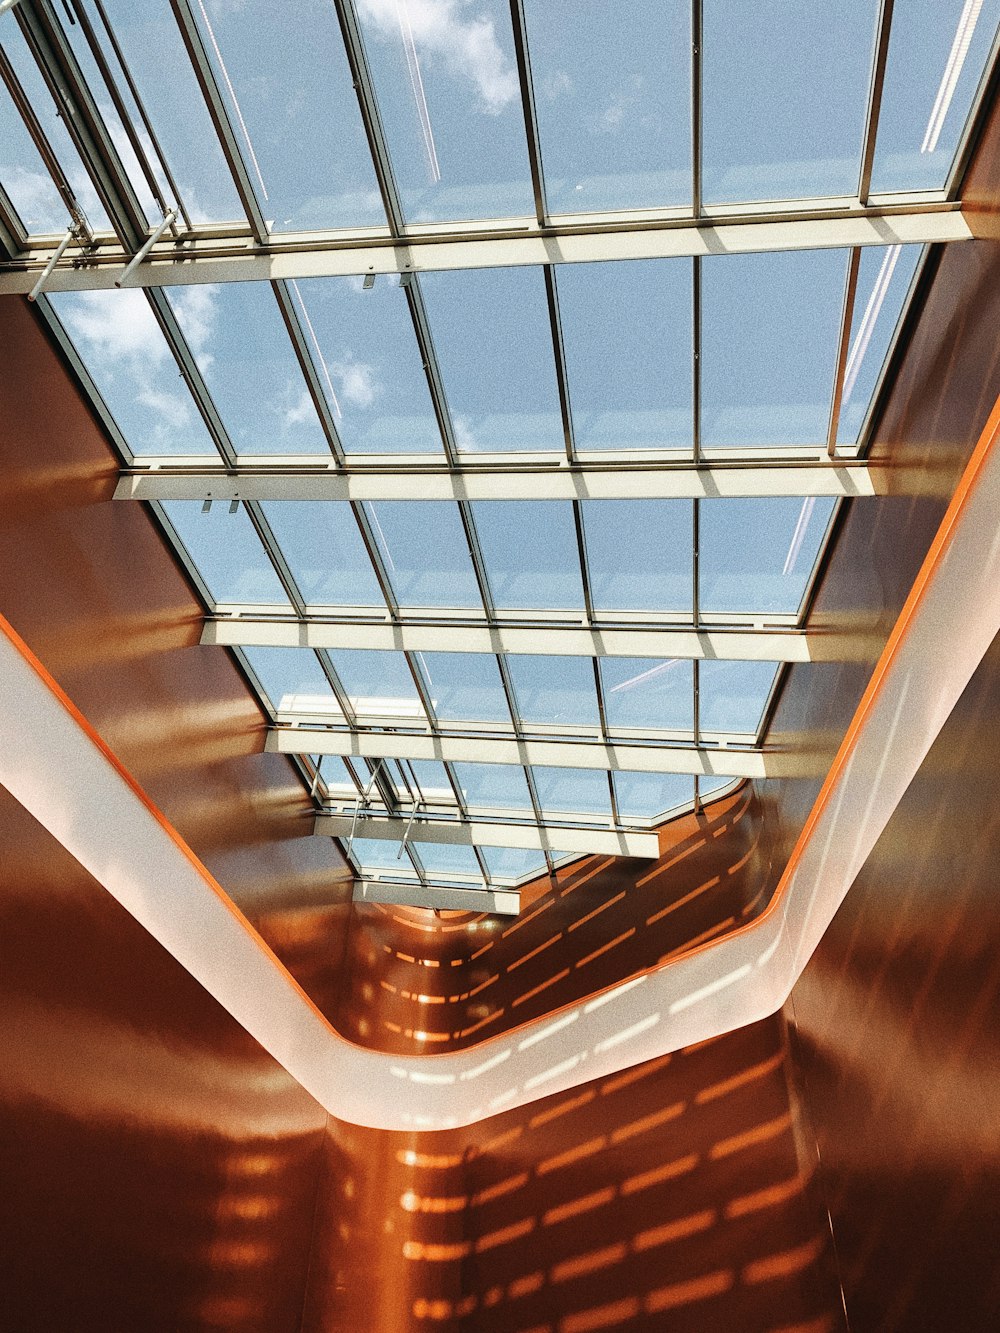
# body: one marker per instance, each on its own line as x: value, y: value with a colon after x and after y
x: 483, y: 833
x: 621, y: 757
x: 499, y: 902
x: 414, y: 478
x: 555, y: 640
x: 235, y: 258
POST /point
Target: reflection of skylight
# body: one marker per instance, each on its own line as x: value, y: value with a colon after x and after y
x: 481, y: 499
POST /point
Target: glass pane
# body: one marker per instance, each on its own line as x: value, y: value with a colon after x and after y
x: 152, y: 45
x: 555, y: 689
x: 491, y: 331
x: 446, y: 81
x: 770, y: 328
x: 639, y: 555
x: 245, y: 355
x: 381, y: 854
x: 293, y: 679
x: 336, y: 775
x: 648, y: 692
x: 24, y: 177
x: 612, y: 90
x: 465, y: 687
x: 530, y: 552
x: 493, y: 786
x: 130, y: 362
x: 446, y: 859
x: 512, y: 862
x: 582, y: 791
x: 377, y: 683
x: 936, y: 57
x: 322, y: 545
x: 784, y: 88
x: 884, y: 278
x: 627, y: 339
x: 432, y: 779
x: 732, y: 695
x: 425, y: 552
x: 227, y: 552
x: 370, y: 366
x: 295, y: 114
x: 709, y: 786
x: 651, y: 795
x: 757, y: 555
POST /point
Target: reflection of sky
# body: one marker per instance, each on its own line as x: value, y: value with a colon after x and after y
x: 241, y: 345
x: 286, y: 85
x: 770, y: 326
x: 757, y: 554
x: 784, y: 89
x: 614, y: 112
x: 627, y: 340
x: 446, y: 83
x: 491, y: 331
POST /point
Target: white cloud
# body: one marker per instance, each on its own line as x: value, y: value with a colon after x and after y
x: 172, y: 409
x: 468, y: 44
x: 113, y: 325
x: 358, y: 384
x: 196, y: 309
x: 301, y: 411
x: 556, y: 85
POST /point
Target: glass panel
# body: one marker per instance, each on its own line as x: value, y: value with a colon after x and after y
x: 24, y: 177
x: 732, y: 695
x: 377, y: 683
x: 324, y: 550
x: 710, y: 786
x: 370, y: 366
x: 336, y: 775
x: 227, y: 552
x: 135, y: 372
x: 432, y: 778
x: 446, y: 859
x: 784, y: 89
x: 381, y: 854
x: 648, y: 692
x: 770, y: 328
x: 293, y: 679
x: 612, y: 90
x: 651, y: 795
x: 238, y: 337
x: 936, y: 57
x: 295, y: 114
x: 494, y: 344
x: 530, y: 552
x: 582, y: 791
x: 493, y: 786
x: 446, y: 81
x: 639, y: 554
x: 757, y: 555
x: 425, y: 552
x: 512, y: 862
x: 884, y: 278
x: 154, y: 50
x: 465, y: 687
x: 555, y: 689
x: 627, y: 337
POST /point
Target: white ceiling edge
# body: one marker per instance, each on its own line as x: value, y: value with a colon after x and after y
x: 56, y: 767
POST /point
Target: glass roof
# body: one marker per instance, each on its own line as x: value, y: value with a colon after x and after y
x: 317, y: 128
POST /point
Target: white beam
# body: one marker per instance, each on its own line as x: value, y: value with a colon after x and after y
x: 815, y: 224
x: 554, y: 640
x: 485, y: 833
x: 415, y: 478
x: 629, y: 757
x: 498, y: 902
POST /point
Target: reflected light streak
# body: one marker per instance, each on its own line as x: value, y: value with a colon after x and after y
x: 952, y: 71
x: 236, y: 104
x: 712, y: 988
x: 319, y: 351
x: 869, y: 319
x: 643, y: 676
x: 798, y: 536
x: 417, y: 85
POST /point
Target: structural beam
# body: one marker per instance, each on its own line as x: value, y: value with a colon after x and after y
x: 815, y: 224
x: 498, y: 833
x: 483, y: 749
x: 414, y: 477
x: 446, y: 898
x: 412, y: 635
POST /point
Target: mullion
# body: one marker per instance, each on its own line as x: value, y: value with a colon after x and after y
x: 217, y: 110
x: 843, y: 345
x: 523, y: 57
x: 697, y: 38
x: 307, y: 363
x: 190, y: 372
x: 559, y: 355
x: 874, y: 103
